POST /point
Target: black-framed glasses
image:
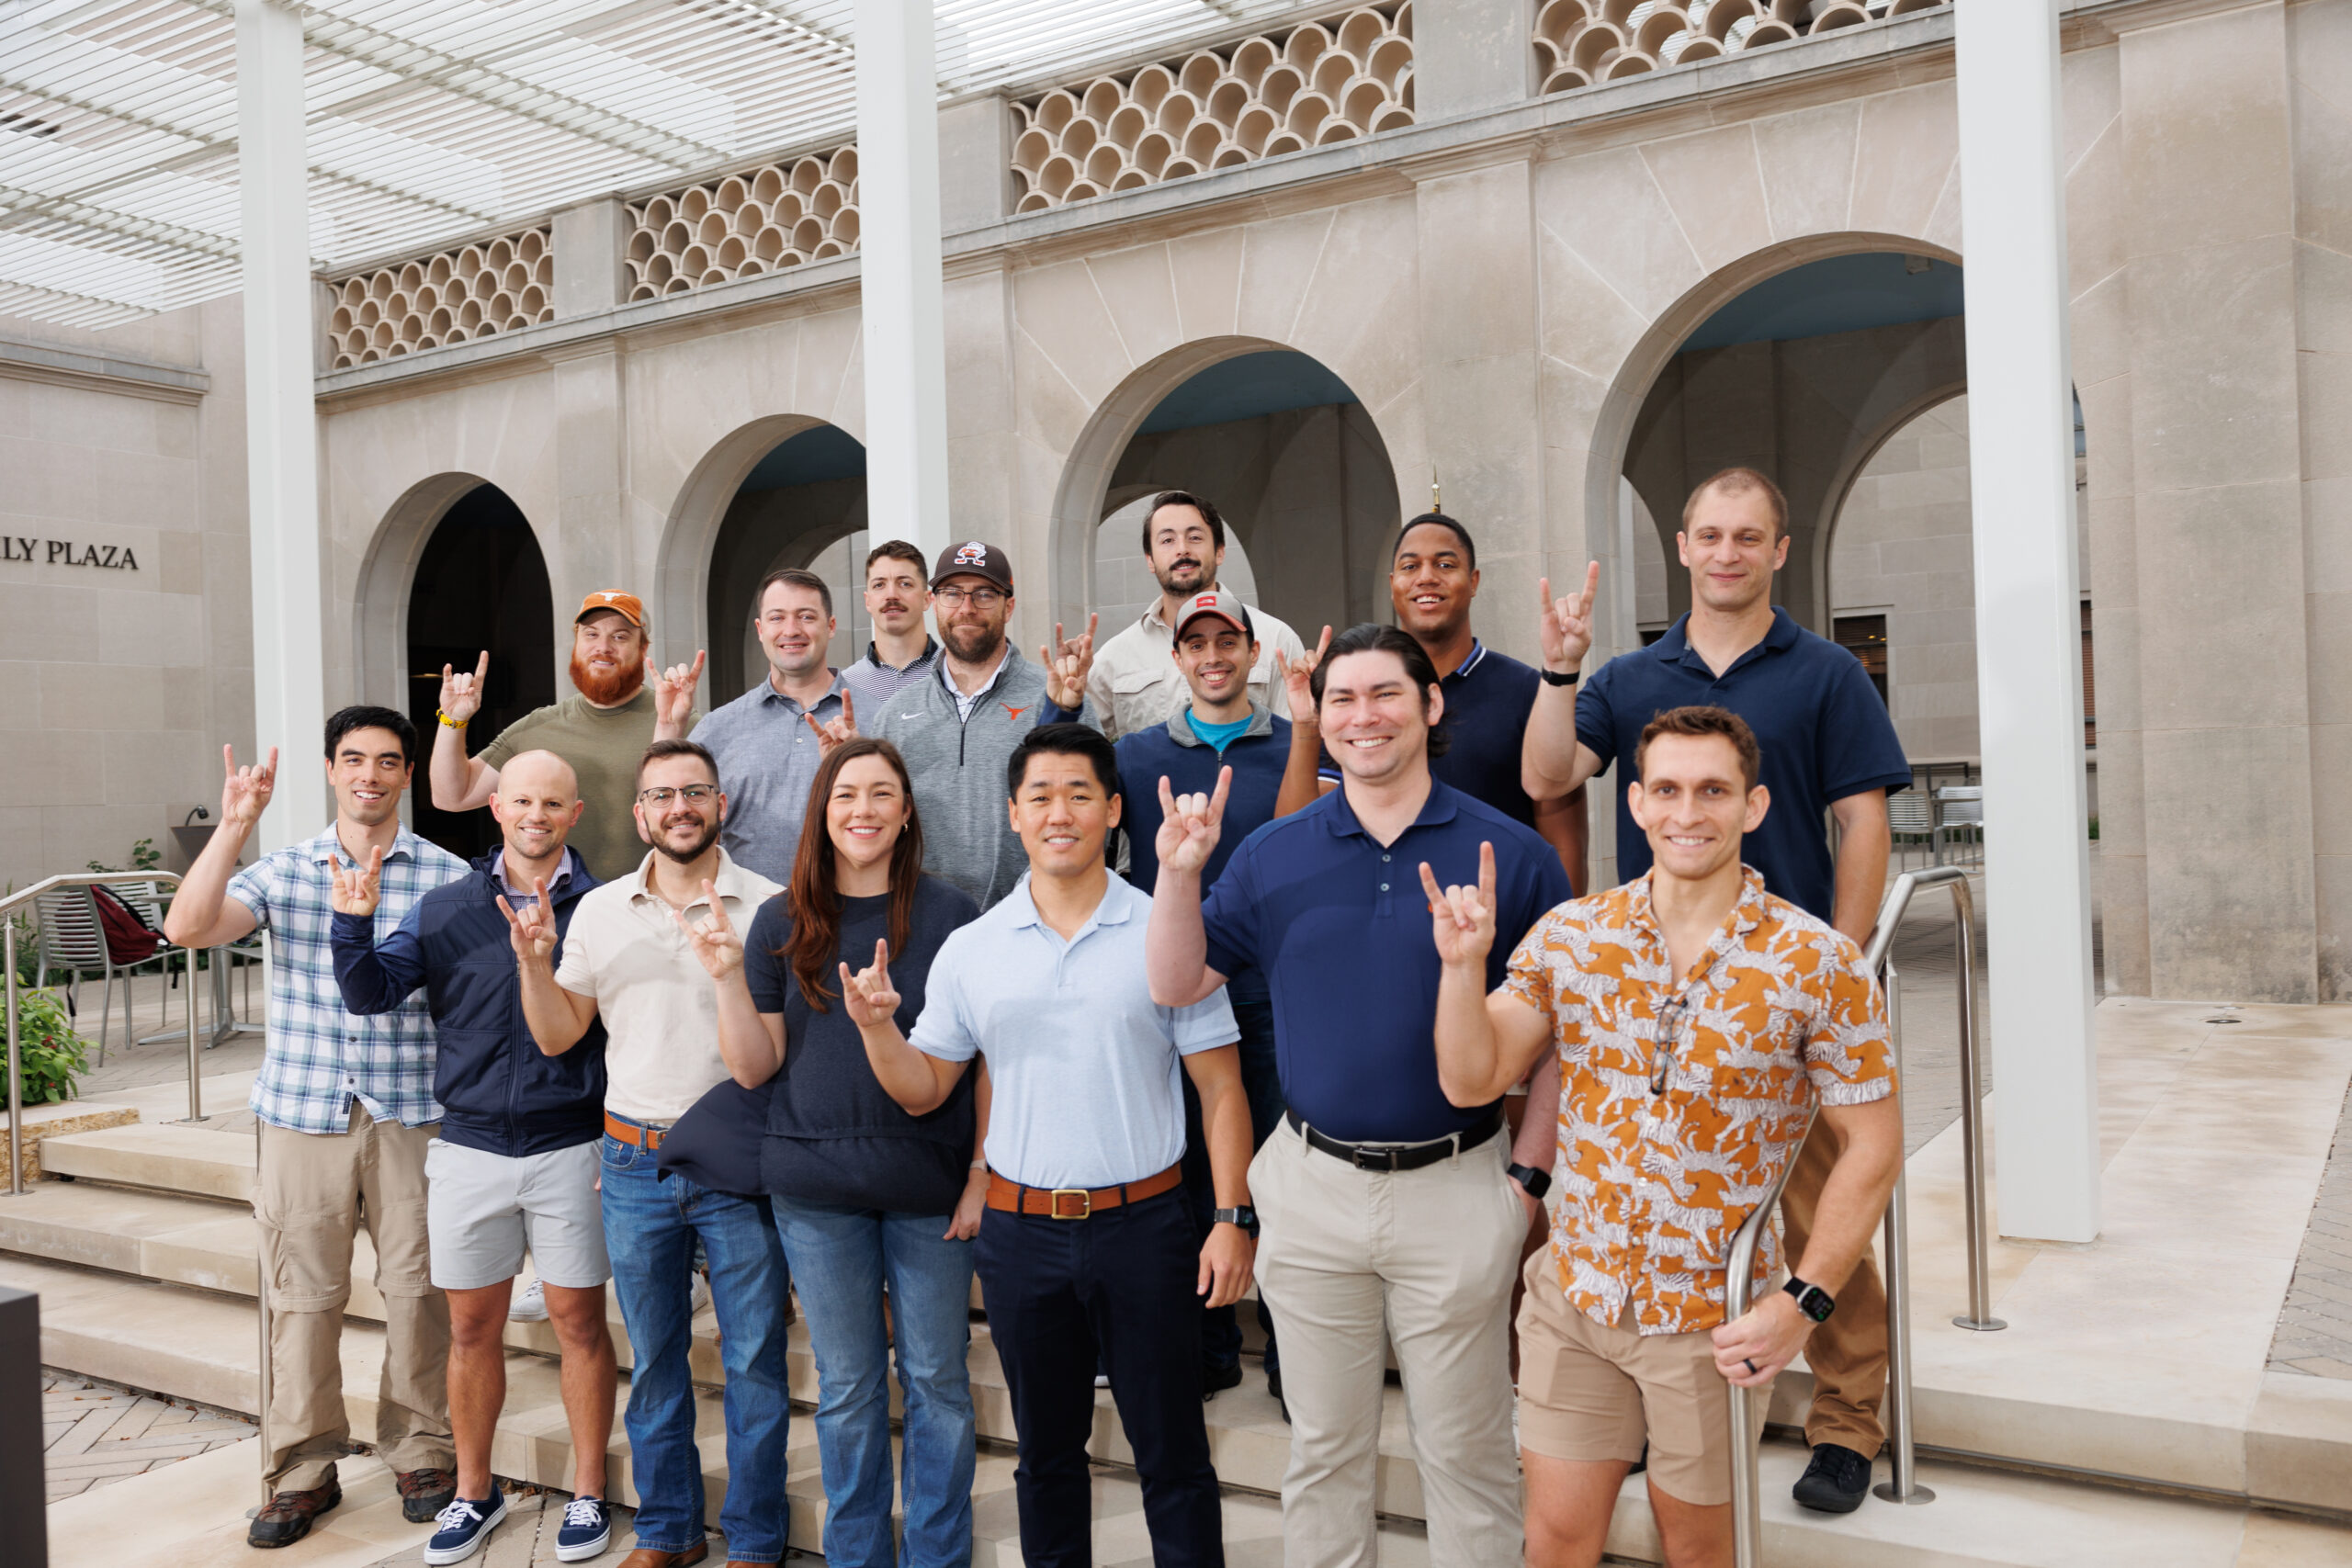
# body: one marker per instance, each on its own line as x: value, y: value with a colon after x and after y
x: 980, y: 598
x: 660, y: 797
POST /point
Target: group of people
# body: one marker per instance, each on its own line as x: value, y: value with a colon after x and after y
x: 1123, y: 979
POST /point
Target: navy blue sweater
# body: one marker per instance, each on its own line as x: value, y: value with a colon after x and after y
x: 499, y: 1092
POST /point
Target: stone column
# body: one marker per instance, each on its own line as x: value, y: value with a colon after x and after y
x: 975, y: 164
x: 591, y: 250
x: 591, y: 524
x: 1480, y: 383
x: 2225, y: 689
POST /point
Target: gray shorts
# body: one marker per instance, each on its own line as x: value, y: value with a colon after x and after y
x: 480, y: 1208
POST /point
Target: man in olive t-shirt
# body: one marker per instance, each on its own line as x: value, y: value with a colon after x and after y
x: 601, y: 730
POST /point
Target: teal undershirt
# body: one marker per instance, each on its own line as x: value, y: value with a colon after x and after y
x: 1218, y: 735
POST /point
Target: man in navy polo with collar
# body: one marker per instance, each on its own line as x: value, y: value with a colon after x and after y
x: 1215, y: 648
x: 1828, y: 747
x: 1388, y: 1213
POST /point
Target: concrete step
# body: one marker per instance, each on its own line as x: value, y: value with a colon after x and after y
x: 203, y: 1347
x: 173, y: 1157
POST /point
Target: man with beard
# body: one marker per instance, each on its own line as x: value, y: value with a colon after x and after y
x: 601, y: 730
x: 347, y: 1112
x: 957, y: 730
x: 902, y: 653
x: 767, y: 741
x: 626, y: 959
x: 1135, y: 683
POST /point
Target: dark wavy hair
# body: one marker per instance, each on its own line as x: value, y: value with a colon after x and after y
x: 814, y: 893
x: 1369, y: 636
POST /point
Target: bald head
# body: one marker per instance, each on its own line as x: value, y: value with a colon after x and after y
x: 536, y: 804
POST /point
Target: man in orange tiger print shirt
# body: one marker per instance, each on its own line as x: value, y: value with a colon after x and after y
x: 1696, y: 1017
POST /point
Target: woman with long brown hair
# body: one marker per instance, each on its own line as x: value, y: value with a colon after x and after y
x: 865, y: 1196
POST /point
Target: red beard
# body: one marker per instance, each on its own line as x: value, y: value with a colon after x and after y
x: 608, y: 691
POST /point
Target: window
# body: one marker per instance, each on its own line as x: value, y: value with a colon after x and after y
x: 2091, y: 687
x: 1864, y: 637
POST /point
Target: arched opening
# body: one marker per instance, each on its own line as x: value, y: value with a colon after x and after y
x: 480, y: 583
x: 1281, y: 446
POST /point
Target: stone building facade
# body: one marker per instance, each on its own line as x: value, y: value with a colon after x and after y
x: 1502, y: 281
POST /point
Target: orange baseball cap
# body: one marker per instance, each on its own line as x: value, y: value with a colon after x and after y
x: 629, y: 606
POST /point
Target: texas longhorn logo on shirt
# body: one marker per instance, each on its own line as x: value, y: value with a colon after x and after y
x: 973, y: 554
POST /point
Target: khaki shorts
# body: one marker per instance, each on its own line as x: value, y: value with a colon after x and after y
x: 1591, y: 1393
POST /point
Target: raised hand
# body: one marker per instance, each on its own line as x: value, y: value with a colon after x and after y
x: 868, y: 995
x: 715, y: 945
x: 1189, y: 824
x: 673, y: 689
x: 1566, y: 623
x: 532, y: 926
x: 461, y: 694
x: 1298, y: 679
x: 1067, y: 663
x: 1462, y: 919
x: 246, y: 790
x: 833, y: 731
x: 358, y: 889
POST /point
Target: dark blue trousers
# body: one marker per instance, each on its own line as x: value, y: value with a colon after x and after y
x: 1118, y: 1284
x: 1220, y: 1328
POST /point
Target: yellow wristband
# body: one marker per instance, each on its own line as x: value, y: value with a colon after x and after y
x: 444, y: 718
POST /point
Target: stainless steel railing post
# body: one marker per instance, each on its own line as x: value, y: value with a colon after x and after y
x: 1739, y: 1280
x: 1972, y: 1122
x: 1903, y: 1486
x: 195, y: 1087
x: 16, y: 1078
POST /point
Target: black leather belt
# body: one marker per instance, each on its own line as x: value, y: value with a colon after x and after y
x: 1396, y: 1157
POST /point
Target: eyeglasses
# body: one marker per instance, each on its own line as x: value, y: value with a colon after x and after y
x: 658, y: 798
x: 980, y: 598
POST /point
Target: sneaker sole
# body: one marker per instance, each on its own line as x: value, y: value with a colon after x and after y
x: 582, y: 1552
x: 481, y: 1539
x: 1845, y: 1502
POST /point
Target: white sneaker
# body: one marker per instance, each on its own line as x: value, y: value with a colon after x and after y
x: 530, y: 1306
x: 700, y: 1296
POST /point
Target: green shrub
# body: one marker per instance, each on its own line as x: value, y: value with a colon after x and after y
x: 144, y: 856
x: 51, y: 1056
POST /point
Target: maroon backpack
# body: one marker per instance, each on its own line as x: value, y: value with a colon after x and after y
x: 129, y: 940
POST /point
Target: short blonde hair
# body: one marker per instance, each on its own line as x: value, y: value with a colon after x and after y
x: 1742, y: 481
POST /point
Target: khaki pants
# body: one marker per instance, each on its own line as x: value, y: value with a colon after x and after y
x: 1848, y: 1354
x: 314, y: 1192
x: 1427, y: 1257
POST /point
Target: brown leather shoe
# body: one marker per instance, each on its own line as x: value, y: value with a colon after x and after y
x: 646, y: 1557
x: 286, y: 1517
x: 424, y: 1492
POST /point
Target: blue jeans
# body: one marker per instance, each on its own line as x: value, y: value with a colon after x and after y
x: 651, y: 1229
x: 841, y: 1260
x: 1220, y: 1328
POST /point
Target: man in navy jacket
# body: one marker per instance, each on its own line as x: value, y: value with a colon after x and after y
x: 516, y: 1158
x: 1217, y: 647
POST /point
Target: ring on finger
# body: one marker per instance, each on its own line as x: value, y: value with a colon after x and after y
x: 1750, y: 1364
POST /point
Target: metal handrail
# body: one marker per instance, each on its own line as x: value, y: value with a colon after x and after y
x: 1747, y: 1524
x: 8, y: 908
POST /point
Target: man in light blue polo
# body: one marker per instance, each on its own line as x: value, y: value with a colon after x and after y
x: 1089, y: 1244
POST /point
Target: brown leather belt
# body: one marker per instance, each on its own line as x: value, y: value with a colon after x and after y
x: 648, y: 1138
x: 1076, y: 1203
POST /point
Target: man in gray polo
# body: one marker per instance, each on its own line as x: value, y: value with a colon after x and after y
x: 767, y: 740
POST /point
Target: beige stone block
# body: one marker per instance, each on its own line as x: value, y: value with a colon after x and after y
x: 2090, y: 96
x: 1586, y: 323
x: 2229, y: 892
x: 1363, y: 321
x: 2222, y: 173
x: 2329, y: 641
x: 2295, y: 1441
x: 1807, y: 162
x: 1905, y: 150
x: 2099, y: 336
x: 1052, y: 411
x: 2123, y: 906
x: 2331, y: 867
x: 1478, y: 280
x: 20, y: 695
x: 2320, y: 60
x: 1063, y: 314
x: 1140, y: 293
x: 2098, y: 229
x: 828, y: 377
x: 156, y: 766
x: 2246, y: 601
x: 2327, y: 523
x: 63, y: 770
x: 1281, y: 262
x: 1714, y: 181
x: 2325, y: 410
x: 1943, y: 226
x: 1207, y: 269
x: 103, y: 697
x: 1611, y: 211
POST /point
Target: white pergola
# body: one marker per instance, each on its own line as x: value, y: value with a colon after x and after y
x: 154, y: 153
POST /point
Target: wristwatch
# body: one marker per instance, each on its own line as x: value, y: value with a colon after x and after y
x: 1553, y: 678
x: 1534, y: 1181
x: 1244, y: 1216
x: 1811, y: 1300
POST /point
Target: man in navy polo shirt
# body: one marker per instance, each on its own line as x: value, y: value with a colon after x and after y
x: 1387, y: 1209
x: 1828, y: 747
x: 1216, y: 648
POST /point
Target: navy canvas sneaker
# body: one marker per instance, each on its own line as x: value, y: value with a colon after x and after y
x: 587, y: 1530
x: 465, y: 1525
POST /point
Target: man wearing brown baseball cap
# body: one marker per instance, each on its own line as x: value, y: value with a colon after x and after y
x: 601, y: 730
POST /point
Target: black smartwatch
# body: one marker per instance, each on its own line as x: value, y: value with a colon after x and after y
x: 1534, y: 1181
x: 1811, y: 1300
x: 1553, y: 678
x: 1244, y: 1216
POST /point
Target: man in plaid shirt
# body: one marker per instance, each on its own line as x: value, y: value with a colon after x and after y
x: 347, y: 1111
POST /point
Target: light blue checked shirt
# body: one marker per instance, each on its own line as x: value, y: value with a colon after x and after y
x: 320, y: 1055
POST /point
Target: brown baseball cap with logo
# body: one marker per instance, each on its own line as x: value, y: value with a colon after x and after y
x: 975, y: 559
x: 628, y: 606
x: 1216, y: 603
